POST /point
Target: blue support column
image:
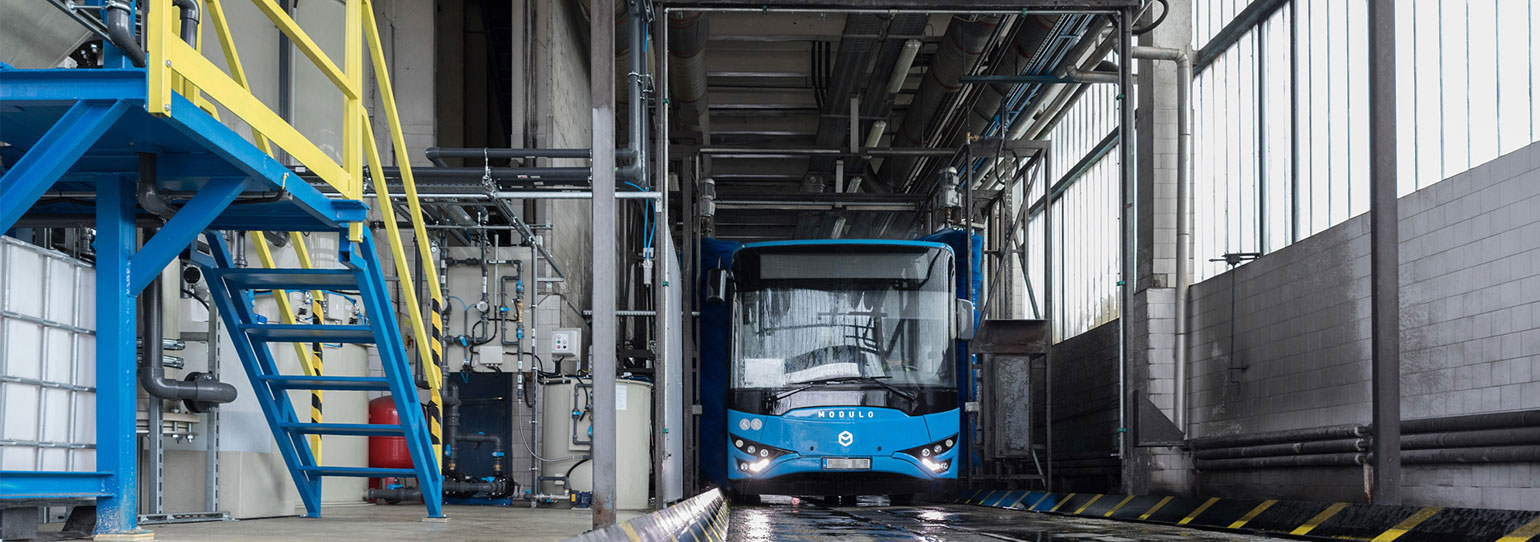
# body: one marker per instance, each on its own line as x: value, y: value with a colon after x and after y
x: 116, y: 313
x: 53, y: 155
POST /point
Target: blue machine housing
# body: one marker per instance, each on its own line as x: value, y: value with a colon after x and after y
x: 789, y: 450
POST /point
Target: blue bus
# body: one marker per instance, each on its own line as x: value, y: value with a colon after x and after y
x: 842, y: 368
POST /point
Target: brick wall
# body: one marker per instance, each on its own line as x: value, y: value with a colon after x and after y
x: 1470, y: 317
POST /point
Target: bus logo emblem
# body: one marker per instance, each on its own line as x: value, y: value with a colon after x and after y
x: 846, y: 438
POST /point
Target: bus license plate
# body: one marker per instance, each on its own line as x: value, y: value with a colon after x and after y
x: 847, y: 463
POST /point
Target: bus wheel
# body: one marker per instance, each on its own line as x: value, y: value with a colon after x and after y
x: 901, y: 499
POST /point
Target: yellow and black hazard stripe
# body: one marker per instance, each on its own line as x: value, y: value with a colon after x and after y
x: 316, y: 318
x: 1376, y: 523
x: 435, y: 408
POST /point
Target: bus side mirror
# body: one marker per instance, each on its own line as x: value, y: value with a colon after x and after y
x: 964, y: 320
x: 716, y: 286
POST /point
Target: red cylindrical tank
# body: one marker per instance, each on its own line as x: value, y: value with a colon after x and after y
x: 387, y: 452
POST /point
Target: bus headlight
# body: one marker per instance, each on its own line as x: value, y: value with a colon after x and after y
x: 937, y: 467
x: 760, y: 452
x: 924, y: 454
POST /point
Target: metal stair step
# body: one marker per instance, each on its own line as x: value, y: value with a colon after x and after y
x: 365, y: 472
x: 334, y: 383
x: 355, y: 429
x: 248, y: 278
x: 307, y: 333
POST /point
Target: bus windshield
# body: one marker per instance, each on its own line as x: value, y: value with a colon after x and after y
x: 845, y: 316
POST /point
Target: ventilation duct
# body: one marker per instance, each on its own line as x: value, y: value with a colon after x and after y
x: 961, y: 47
x: 687, y: 34
x: 1030, y: 37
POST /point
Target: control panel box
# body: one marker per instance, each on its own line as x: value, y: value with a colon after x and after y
x: 567, y: 342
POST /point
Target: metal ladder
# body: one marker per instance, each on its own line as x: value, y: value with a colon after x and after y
x: 232, y: 289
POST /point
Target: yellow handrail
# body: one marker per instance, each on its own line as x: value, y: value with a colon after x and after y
x: 430, y: 349
x: 178, y: 67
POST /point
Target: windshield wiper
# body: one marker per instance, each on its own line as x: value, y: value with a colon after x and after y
x: 878, y: 380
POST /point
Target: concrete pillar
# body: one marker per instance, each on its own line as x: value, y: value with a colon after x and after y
x: 1151, y: 313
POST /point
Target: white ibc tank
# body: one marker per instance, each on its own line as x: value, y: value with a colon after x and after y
x: 48, y: 359
x: 633, y: 433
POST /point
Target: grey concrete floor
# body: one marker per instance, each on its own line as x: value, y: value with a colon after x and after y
x: 783, y: 519
x: 389, y: 523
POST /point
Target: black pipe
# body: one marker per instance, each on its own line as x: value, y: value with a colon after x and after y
x: 1279, y: 437
x: 1521, y: 418
x: 1286, y: 449
x: 148, y: 194
x: 1313, y: 460
x: 509, y: 173
x: 1467, y: 439
x: 574, y: 467
x: 199, y: 393
x: 496, y: 487
x: 120, y: 31
x: 189, y: 10
x: 75, y: 221
x: 437, y: 153
x: 1489, y: 454
x: 419, y: 374
x: 452, y: 427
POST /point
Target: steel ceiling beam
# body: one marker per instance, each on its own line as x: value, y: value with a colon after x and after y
x: 923, y: 6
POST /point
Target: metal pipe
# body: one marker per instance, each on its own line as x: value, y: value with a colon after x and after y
x: 494, y: 487
x: 91, y: 23
x: 75, y: 221
x: 760, y: 151
x: 437, y: 153
x: 527, y: 194
x: 120, y: 31
x: 1491, y: 454
x: 1467, y: 439
x: 628, y: 313
x: 1128, y: 213
x: 147, y: 193
x: 152, y: 375
x: 666, y: 392
x: 817, y: 206
x: 1276, y: 437
x: 452, y: 431
x: 575, y: 173
x: 636, y: 106
x: 1292, y: 448
x: 1183, y: 221
x: 1313, y: 460
x: 189, y: 13
x: 687, y: 36
x: 1522, y: 418
x: 961, y: 47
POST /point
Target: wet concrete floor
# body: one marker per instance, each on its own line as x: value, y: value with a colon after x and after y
x: 788, y: 519
x: 393, y: 523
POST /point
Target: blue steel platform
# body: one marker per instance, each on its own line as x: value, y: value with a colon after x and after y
x: 78, y: 134
x: 108, y: 127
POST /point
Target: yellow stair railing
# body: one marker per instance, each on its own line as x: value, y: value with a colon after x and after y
x: 176, y: 66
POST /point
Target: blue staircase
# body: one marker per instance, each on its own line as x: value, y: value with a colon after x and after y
x: 232, y: 290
